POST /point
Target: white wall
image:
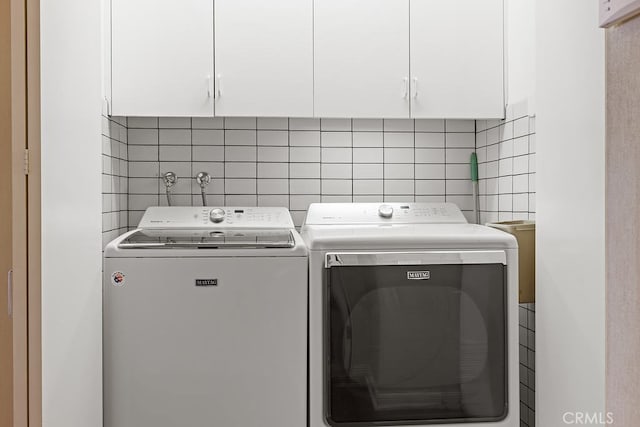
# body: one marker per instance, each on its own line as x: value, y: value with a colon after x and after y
x: 570, y: 210
x: 520, y: 51
x: 71, y: 206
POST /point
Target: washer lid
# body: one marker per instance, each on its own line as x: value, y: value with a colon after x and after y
x: 208, y: 239
x: 384, y: 213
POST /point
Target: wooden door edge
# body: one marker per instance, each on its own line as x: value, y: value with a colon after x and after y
x: 19, y: 213
x: 34, y: 301
x: 27, y: 343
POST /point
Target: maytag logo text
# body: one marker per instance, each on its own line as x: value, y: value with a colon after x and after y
x: 206, y: 282
x: 418, y: 275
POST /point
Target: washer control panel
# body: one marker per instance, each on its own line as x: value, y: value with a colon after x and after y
x: 384, y: 213
x: 215, y: 217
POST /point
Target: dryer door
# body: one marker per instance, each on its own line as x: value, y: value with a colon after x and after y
x: 415, y: 338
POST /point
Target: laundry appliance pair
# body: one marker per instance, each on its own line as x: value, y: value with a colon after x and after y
x: 373, y: 315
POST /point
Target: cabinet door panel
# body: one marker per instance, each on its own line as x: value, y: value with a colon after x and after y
x: 457, y: 66
x: 361, y: 58
x: 162, y: 57
x: 264, y: 57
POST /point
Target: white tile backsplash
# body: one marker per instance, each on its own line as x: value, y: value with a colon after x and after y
x: 115, y: 176
x: 295, y: 161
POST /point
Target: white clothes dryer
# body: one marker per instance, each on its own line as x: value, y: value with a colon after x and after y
x: 205, y: 320
x: 412, y: 317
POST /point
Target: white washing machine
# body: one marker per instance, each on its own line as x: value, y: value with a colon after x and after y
x: 205, y: 320
x: 412, y: 317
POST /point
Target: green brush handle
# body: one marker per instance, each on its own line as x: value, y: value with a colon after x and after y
x: 474, y: 167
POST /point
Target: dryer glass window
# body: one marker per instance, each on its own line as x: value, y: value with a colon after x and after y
x: 416, y: 344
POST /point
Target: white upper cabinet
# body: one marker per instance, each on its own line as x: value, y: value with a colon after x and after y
x: 361, y: 58
x: 308, y: 58
x: 457, y: 66
x: 162, y: 58
x: 264, y: 57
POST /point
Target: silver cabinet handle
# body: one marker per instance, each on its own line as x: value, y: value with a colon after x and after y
x: 209, y: 86
x: 414, y: 87
x: 405, y: 88
x: 218, y: 85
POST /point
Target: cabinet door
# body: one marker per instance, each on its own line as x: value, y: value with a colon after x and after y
x: 457, y: 65
x: 162, y: 57
x: 361, y: 58
x: 264, y: 57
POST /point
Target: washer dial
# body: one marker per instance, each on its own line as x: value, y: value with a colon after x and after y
x: 385, y: 211
x: 216, y: 215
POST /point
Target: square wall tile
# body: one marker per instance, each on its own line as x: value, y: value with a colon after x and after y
x: 304, y: 154
x: 273, y: 170
x: 337, y: 155
x: 240, y: 137
x: 273, y: 137
x: 368, y: 139
x: 368, y: 125
x: 175, y: 136
x: 207, y: 122
x: 239, y: 154
x: 304, y: 170
x: 335, y: 139
x: 273, y: 123
x: 336, y: 171
x: 240, y: 123
x: 304, y: 139
x: 335, y: 124
x: 207, y: 137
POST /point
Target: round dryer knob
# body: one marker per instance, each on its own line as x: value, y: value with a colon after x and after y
x: 216, y: 215
x: 385, y: 211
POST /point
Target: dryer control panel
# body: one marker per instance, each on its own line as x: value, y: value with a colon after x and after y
x: 176, y: 217
x: 384, y: 213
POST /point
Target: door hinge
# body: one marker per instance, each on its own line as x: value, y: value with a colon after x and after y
x: 10, y: 293
x: 26, y: 161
